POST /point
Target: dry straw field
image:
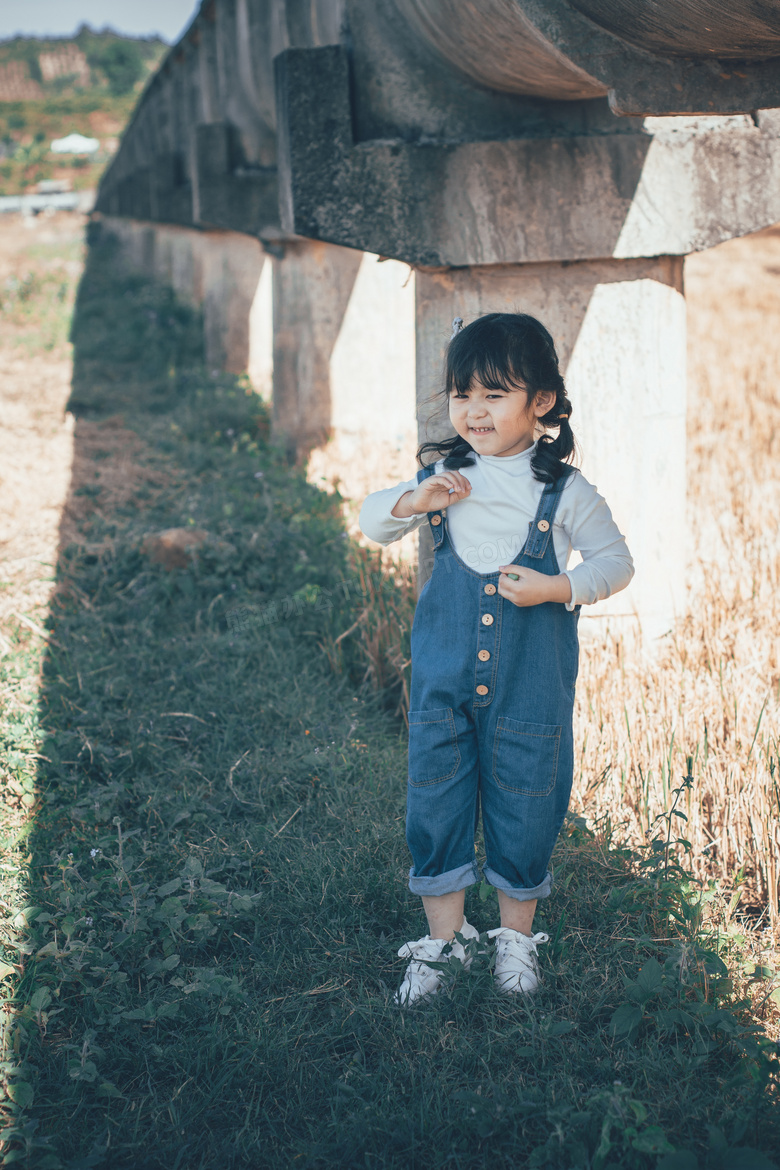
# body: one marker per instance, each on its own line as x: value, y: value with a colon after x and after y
x: 712, y: 690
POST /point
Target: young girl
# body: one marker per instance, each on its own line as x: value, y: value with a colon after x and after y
x: 494, y: 640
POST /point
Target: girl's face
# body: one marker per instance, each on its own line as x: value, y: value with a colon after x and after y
x: 498, y: 422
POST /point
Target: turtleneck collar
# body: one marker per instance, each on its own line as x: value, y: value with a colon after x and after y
x: 504, y: 460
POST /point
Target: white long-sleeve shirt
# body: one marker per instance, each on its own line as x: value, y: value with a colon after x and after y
x: 490, y: 526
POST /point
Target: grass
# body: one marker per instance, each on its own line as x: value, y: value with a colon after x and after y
x: 204, y: 861
x: 36, y: 299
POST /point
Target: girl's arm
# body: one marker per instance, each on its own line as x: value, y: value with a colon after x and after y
x: 607, y: 565
x: 409, y: 504
x: 377, y: 520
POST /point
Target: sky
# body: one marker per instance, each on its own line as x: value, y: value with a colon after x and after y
x: 166, y: 18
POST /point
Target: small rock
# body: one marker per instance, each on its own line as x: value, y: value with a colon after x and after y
x: 175, y: 547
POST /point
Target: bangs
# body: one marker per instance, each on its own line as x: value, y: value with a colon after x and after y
x: 485, y: 368
x: 488, y: 352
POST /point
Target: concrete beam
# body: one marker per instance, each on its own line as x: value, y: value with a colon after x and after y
x: 237, y: 198
x: 674, y: 186
x: 170, y: 197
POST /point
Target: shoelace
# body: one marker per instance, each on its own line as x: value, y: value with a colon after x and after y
x: 424, y: 948
x: 519, y: 947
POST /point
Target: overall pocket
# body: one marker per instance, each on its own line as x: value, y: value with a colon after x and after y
x: 525, y: 756
x: 434, y: 754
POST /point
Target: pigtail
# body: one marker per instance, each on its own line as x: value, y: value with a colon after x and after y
x: 551, y: 455
x: 457, y: 452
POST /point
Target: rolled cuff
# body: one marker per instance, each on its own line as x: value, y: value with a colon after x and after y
x: 520, y: 894
x: 444, y: 883
x: 598, y: 578
x: 572, y: 603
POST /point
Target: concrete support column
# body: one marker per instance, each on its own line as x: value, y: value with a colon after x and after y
x: 232, y: 273
x: 224, y: 274
x: 313, y: 283
x: 373, y: 436
x: 619, y: 327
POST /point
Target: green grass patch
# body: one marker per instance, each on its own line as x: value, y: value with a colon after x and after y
x: 210, y: 887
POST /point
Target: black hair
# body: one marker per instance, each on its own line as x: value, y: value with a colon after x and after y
x: 508, y: 351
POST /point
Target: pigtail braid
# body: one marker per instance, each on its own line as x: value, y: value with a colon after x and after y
x: 552, y: 454
x: 456, y: 452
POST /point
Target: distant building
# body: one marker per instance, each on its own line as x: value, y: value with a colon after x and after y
x: 75, y: 144
x: 53, y: 186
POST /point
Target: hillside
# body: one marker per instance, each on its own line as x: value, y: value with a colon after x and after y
x: 52, y: 87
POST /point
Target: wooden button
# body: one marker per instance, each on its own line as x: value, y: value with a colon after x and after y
x: 483, y: 655
x: 543, y: 525
x: 487, y: 619
x: 482, y: 690
x: 490, y: 589
x: 435, y: 520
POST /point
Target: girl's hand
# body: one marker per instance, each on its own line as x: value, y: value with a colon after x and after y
x: 438, y: 491
x: 532, y: 588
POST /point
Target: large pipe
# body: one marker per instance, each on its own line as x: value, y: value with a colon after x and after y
x: 543, y: 47
x: 734, y: 29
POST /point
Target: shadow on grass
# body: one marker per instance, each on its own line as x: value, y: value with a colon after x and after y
x: 218, y: 858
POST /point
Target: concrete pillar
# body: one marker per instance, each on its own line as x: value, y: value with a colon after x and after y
x: 372, y: 391
x: 233, y: 268
x: 325, y: 333
x: 225, y: 274
x: 313, y: 284
x: 619, y: 327
x: 260, y: 363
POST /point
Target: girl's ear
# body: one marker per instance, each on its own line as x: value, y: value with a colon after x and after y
x: 544, y: 401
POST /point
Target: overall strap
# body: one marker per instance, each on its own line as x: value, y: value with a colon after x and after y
x: 541, y: 527
x: 434, y: 518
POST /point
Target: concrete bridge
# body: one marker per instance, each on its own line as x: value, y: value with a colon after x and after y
x: 335, y: 180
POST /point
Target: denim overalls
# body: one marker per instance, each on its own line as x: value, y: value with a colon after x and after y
x: 490, y: 720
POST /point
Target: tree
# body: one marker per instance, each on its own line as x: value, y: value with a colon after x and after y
x: 122, y: 64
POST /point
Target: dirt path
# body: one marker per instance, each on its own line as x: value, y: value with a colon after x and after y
x: 36, y: 435
x: 46, y: 456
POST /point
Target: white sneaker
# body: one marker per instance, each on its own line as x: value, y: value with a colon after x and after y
x: 420, y: 980
x: 517, y: 967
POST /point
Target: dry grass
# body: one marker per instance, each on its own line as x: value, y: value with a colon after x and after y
x: 713, y: 690
x: 36, y: 436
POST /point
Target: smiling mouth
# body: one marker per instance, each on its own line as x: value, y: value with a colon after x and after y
x: 481, y: 430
